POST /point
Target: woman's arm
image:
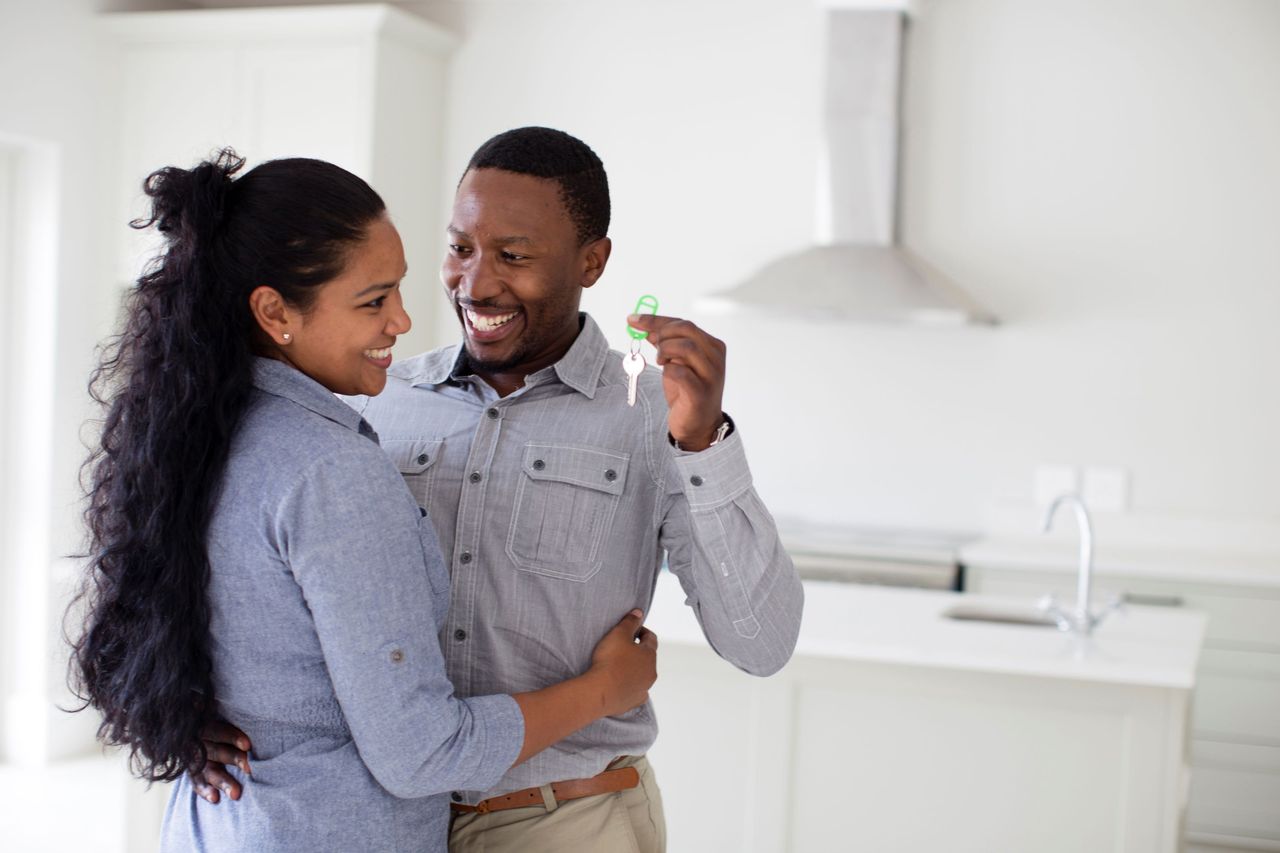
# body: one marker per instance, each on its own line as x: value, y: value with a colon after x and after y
x: 623, y: 668
x: 349, y: 532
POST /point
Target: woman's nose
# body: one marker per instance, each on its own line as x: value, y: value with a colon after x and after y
x: 399, y: 322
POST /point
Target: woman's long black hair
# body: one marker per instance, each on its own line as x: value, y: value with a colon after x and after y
x: 174, y: 383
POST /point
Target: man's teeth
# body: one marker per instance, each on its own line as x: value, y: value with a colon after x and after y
x: 378, y: 354
x: 484, y: 323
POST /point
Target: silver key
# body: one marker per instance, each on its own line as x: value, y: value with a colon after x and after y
x: 633, y: 366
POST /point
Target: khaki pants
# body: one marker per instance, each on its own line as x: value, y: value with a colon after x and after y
x: 629, y: 821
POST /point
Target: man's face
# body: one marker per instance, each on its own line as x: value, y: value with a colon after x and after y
x: 515, y: 271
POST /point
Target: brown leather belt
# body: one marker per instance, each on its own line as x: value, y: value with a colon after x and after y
x: 572, y: 789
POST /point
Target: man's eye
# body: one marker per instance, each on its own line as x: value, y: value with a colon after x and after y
x: 512, y: 256
x: 457, y: 249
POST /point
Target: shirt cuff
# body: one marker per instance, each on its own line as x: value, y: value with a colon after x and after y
x: 500, y: 718
x: 715, y: 476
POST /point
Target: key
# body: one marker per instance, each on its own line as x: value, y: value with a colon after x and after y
x: 633, y: 366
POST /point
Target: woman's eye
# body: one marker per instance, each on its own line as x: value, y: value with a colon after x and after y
x: 376, y: 303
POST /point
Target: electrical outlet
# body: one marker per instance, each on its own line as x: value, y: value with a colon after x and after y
x: 1054, y: 480
x: 1106, y: 488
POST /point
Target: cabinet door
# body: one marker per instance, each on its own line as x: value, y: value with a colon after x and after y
x: 177, y: 103
x: 1235, y: 795
x: 182, y: 101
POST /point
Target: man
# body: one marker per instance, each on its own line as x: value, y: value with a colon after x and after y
x: 555, y: 500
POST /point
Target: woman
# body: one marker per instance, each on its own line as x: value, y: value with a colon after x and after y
x: 255, y: 556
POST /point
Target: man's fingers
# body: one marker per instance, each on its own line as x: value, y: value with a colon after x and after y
x: 216, y: 775
x: 651, y: 322
x: 220, y: 732
x: 686, y: 377
x: 706, y: 359
x: 631, y: 622
x: 206, y: 791
x: 221, y: 753
x: 647, y: 638
x: 667, y: 328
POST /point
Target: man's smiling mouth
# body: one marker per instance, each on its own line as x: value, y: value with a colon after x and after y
x: 487, y: 322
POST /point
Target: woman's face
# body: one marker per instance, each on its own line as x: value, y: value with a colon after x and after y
x: 344, y: 341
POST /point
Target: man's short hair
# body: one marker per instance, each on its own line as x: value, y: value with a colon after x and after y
x: 556, y: 156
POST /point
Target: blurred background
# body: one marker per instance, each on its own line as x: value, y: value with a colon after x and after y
x: 1101, y: 176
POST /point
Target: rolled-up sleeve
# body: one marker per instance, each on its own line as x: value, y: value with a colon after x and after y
x: 349, y: 532
x: 722, y: 544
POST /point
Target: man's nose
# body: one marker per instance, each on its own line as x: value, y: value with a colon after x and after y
x: 472, y: 278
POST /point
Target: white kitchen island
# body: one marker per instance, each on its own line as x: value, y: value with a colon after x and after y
x: 895, y: 728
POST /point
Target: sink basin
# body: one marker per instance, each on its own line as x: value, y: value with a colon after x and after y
x: 1011, y: 614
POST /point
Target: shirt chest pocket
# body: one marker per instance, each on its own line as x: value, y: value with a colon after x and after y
x: 565, y: 502
x: 416, y: 459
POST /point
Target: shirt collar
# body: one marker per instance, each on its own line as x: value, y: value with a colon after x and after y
x: 580, y: 368
x: 276, y: 377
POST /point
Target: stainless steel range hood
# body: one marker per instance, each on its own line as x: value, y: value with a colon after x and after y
x: 857, y: 271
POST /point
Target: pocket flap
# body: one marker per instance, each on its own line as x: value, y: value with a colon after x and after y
x: 414, y: 455
x: 602, y: 470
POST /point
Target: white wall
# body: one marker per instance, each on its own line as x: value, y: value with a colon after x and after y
x: 1102, y: 174
x: 50, y: 120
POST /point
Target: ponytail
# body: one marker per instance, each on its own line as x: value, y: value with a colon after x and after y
x: 174, y: 384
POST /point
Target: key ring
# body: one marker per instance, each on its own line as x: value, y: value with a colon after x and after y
x: 644, y: 305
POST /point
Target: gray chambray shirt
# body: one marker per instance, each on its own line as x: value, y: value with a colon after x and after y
x: 554, y: 507
x: 327, y: 592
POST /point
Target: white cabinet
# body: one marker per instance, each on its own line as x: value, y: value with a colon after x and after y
x: 360, y: 86
x: 1235, y: 749
x: 1007, y: 741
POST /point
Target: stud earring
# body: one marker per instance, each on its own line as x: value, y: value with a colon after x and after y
x: 287, y: 337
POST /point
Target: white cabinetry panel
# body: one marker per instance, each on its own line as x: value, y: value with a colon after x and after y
x: 1235, y: 784
x: 359, y: 86
x: 835, y: 754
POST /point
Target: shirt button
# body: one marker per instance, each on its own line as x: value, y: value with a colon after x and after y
x: 456, y: 797
x: 493, y: 414
x: 538, y: 465
x: 397, y: 656
x: 464, y: 557
x: 611, y: 475
x: 475, y: 477
x: 696, y: 480
x: 459, y: 635
x: 423, y: 459
x: 422, y: 511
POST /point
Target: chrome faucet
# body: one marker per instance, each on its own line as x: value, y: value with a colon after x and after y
x: 1082, y: 620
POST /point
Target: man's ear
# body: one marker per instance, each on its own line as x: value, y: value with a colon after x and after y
x: 273, y: 315
x: 594, y: 257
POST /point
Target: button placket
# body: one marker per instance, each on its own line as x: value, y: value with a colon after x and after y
x: 487, y: 429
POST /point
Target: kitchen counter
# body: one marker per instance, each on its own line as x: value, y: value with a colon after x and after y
x: 1141, y: 645
x: 896, y: 728
x: 1185, y: 564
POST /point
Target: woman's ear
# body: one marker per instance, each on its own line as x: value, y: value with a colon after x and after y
x: 273, y: 315
x: 594, y: 257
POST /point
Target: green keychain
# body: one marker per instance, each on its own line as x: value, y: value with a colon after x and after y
x: 633, y: 362
x: 644, y: 305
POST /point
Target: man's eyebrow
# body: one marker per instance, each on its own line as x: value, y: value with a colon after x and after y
x: 502, y: 241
